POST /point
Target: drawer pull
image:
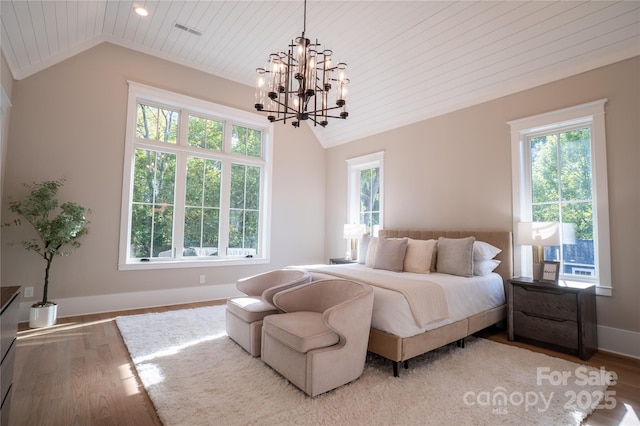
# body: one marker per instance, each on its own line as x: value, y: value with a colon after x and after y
x: 545, y: 317
x: 545, y: 290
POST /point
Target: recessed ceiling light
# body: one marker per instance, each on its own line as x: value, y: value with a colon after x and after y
x: 140, y: 11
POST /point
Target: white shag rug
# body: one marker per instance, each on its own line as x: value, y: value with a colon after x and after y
x: 196, y: 375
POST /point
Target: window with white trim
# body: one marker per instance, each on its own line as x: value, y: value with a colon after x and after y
x: 560, y: 175
x: 196, y: 183
x: 365, y: 191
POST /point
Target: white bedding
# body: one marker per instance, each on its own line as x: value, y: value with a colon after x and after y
x: 391, y: 313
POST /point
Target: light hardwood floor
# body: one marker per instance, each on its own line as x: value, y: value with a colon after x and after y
x: 80, y: 373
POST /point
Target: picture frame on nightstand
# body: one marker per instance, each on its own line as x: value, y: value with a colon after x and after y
x: 550, y: 272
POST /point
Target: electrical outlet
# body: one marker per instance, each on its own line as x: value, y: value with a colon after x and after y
x: 201, y: 279
x: 28, y: 292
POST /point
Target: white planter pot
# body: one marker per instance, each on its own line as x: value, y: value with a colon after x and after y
x: 43, y: 316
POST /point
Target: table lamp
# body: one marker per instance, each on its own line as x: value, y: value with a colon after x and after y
x: 538, y: 235
x: 353, y: 232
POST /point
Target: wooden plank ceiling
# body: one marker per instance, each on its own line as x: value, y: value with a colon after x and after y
x: 408, y: 60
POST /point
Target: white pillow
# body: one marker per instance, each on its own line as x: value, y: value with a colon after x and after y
x: 419, y: 256
x: 484, y: 267
x: 371, y: 252
x: 484, y: 251
x: 363, y: 248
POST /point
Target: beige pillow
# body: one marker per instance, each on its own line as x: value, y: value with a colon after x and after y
x: 419, y: 256
x: 390, y: 254
x: 455, y: 256
x: 371, y: 252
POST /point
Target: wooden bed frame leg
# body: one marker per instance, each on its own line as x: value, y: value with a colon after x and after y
x: 460, y: 343
x: 406, y: 365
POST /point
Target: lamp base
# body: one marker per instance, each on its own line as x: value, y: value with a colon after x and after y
x: 537, y: 271
x: 354, y: 254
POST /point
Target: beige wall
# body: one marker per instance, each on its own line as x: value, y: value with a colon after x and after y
x: 454, y: 172
x: 6, y: 79
x: 69, y: 121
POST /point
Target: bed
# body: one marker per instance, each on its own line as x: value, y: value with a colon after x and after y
x: 398, y: 336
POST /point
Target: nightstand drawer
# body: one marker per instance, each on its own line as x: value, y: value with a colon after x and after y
x: 561, y: 332
x: 6, y: 370
x: 552, y: 303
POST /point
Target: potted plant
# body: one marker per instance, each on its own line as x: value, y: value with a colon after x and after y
x: 58, y: 227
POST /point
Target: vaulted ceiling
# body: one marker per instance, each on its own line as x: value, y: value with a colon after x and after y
x: 408, y: 60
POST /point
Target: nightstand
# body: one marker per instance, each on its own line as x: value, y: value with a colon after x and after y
x: 9, y: 320
x: 559, y: 316
x: 341, y: 261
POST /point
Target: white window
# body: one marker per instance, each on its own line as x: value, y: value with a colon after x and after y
x: 196, y: 183
x: 560, y: 175
x: 365, y: 191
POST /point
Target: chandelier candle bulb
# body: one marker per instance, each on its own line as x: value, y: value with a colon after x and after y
x: 311, y: 72
x: 260, y: 88
x: 325, y: 102
x: 303, y: 44
x: 342, y: 84
x: 270, y: 107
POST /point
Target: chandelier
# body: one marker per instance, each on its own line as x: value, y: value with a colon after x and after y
x: 301, y: 84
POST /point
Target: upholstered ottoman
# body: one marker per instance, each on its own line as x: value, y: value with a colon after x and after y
x: 245, y: 314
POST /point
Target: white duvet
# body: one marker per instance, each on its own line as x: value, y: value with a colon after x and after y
x: 465, y: 297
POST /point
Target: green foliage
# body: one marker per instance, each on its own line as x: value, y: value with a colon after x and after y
x: 561, y: 180
x: 153, y: 197
x: 58, y: 226
x: 205, y: 133
x: 155, y: 177
x: 370, y: 197
x: 245, y: 141
x: 156, y: 123
x: 245, y: 202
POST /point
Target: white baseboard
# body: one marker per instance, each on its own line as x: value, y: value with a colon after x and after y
x: 615, y: 340
x: 618, y: 341
x: 143, y: 299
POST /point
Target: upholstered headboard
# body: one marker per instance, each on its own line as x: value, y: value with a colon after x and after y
x: 500, y: 239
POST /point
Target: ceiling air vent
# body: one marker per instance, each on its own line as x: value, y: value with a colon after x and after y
x: 188, y: 29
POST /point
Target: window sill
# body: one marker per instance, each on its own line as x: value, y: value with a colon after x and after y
x: 600, y: 290
x: 178, y: 264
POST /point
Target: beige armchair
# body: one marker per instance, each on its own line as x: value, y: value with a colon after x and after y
x: 245, y: 314
x: 320, y: 342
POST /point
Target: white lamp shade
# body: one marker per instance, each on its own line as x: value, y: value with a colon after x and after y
x: 538, y: 234
x: 353, y: 231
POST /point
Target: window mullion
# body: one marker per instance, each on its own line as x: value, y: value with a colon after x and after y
x: 178, y: 211
x: 527, y: 200
x: 559, y: 205
x: 225, y: 205
x: 181, y: 188
x: 202, y: 205
x: 225, y: 192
